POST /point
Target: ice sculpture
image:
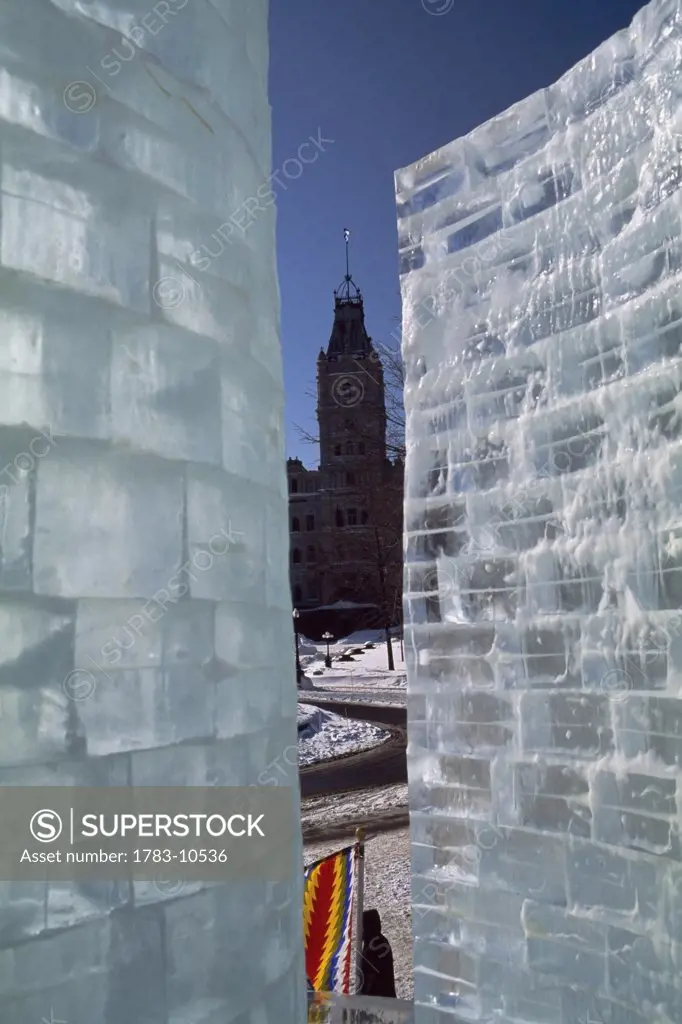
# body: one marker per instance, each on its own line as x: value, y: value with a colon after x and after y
x: 145, y: 613
x: 541, y: 278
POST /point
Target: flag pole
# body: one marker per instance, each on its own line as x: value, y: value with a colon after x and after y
x: 360, y: 868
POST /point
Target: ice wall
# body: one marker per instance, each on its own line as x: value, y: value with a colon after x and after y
x: 541, y: 278
x: 145, y: 618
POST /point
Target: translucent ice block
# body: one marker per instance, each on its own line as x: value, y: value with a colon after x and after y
x: 541, y: 271
x: 145, y: 617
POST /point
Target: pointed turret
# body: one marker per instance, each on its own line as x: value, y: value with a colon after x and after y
x: 349, y: 335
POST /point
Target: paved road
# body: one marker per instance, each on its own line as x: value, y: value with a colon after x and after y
x: 382, y: 765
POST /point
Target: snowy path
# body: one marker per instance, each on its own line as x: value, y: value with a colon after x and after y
x: 360, y: 695
x: 333, y: 815
x: 365, y: 679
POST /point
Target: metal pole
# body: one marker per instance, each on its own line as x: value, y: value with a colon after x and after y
x: 360, y: 868
x: 298, y: 657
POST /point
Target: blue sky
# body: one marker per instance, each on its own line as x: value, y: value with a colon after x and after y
x: 388, y: 81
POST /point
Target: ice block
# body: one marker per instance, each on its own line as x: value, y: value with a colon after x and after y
x: 145, y: 610
x: 541, y: 262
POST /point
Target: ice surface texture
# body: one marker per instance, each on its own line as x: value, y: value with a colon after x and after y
x: 145, y: 615
x: 542, y: 289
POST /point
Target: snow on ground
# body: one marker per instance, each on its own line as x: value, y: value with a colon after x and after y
x: 388, y: 888
x: 360, y: 696
x: 328, y: 735
x: 308, y: 716
x: 332, y: 808
x: 365, y: 679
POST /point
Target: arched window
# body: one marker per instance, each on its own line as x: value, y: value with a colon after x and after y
x: 295, y: 525
x: 339, y: 517
x: 296, y: 556
x: 311, y: 555
x: 293, y: 486
x: 310, y: 523
x: 298, y: 595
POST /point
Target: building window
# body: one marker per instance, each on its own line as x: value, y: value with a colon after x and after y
x: 295, y: 525
x: 312, y: 557
x: 293, y: 485
x: 339, y: 517
x: 361, y: 447
x: 337, y: 449
x: 350, y: 479
x: 340, y: 553
x: 352, y: 516
x: 350, y: 448
x: 364, y: 517
x: 298, y: 595
x: 296, y: 556
x: 310, y: 523
x: 314, y: 591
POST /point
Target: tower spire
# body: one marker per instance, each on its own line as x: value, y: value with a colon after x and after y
x: 349, y: 335
x: 349, y: 291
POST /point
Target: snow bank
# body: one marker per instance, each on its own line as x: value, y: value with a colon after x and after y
x: 328, y: 735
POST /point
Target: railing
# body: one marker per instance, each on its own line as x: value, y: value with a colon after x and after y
x: 330, y: 1009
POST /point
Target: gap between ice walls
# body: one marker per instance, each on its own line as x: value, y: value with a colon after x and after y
x: 145, y: 610
x: 542, y: 320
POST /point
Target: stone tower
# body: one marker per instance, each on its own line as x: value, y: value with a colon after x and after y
x: 345, y: 516
x: 351, y: 409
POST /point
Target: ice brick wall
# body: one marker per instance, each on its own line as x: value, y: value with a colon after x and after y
x: 145, y: 618
x: 541, y: 278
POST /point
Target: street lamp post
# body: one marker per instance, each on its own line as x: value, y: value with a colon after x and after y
x: 299, y: 673
x: 327, y: 637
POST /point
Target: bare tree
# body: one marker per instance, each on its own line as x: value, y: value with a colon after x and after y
x: 385, y: 508
x: 378, y: 549
x: 394, y: 390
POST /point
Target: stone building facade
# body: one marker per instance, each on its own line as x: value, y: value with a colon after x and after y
x: 345, y: 517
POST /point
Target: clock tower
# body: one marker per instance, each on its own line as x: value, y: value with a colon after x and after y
x: 346, y: 515
x: 351, y: 409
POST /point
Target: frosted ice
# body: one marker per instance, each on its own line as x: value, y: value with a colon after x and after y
x: 541, y: 262
x: 145, y: 616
